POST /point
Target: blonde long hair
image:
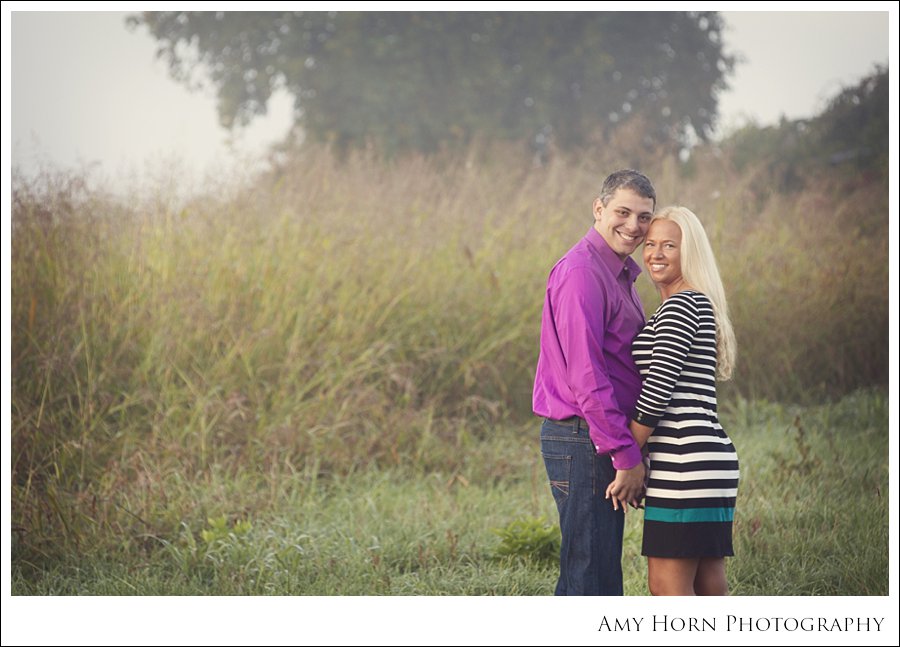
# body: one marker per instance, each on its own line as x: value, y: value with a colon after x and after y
x: 699, y: 269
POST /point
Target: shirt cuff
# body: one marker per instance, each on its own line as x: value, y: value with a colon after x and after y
x: 645, y: 419
x: 627, y: 457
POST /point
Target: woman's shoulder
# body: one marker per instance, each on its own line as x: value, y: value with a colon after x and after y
x: 691, y: 298
x: 686, y: 299
x: 685, y: 305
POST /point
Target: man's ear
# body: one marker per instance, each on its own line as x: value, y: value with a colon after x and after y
x: 597, y: 208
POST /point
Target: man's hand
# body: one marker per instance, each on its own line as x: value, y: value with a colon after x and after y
x: 628, y: 487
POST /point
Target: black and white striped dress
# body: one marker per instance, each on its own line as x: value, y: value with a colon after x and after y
x: 689, y: 507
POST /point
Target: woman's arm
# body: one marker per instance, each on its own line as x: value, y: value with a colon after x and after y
x: 677, y: 324
x: 640, y: 432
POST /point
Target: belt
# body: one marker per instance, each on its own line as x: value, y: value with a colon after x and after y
x: 572, y: 421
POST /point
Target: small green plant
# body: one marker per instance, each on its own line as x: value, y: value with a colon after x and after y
x: 220, y: 531
x: 529, y: 539
x: 218, y: 541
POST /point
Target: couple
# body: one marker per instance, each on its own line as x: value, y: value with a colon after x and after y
x: 613, y: 387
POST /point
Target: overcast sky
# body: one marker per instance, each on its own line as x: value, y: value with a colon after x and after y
x: 86, y: 90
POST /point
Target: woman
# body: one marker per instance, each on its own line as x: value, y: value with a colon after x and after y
x: 693, y: 476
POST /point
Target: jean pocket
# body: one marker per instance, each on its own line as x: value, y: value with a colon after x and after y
x: 559, y: 469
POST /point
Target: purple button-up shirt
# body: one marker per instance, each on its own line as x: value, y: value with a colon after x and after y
x: 592, y: 313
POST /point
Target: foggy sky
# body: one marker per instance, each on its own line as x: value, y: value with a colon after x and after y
x: 98, y: 96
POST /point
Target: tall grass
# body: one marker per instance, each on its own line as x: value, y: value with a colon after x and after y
x: 344, y: 316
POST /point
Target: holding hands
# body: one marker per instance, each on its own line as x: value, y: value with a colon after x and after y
x: 630, y: 486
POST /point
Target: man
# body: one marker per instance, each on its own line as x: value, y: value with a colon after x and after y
x: 586, y: 386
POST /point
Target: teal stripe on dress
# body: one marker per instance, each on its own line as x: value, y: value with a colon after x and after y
x: 689, y: 515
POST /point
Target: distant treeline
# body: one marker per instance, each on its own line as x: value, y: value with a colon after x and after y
x: 851, y: 134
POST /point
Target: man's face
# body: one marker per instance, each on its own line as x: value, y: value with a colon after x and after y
x: 623, y: 222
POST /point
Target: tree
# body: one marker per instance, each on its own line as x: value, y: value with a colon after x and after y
x: 855, y: 125
x: 409, y: 80
x: 851, y: 132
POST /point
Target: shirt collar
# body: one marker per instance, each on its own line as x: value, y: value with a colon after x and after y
x: 612, y: 261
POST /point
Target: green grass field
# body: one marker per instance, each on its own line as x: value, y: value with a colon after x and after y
x: 320, y: 383
x: 812, y: 520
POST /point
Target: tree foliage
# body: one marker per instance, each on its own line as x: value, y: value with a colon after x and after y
x: 420, y: 80
x: 855, y: 124
x: 852, y: 131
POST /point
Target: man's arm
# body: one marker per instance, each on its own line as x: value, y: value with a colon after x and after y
x: 579, y: 313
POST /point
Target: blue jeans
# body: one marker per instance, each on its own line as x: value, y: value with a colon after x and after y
x: 590, y: 557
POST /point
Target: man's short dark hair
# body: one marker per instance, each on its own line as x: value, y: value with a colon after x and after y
x: 627, y: 179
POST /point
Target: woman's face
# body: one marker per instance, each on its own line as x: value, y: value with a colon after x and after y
x: 662, y: 252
